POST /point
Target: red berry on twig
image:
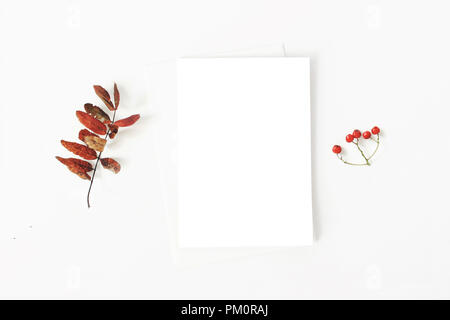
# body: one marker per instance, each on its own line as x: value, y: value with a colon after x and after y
x: 337, y: 149
x: 357, y: 133
x: 350, y: 138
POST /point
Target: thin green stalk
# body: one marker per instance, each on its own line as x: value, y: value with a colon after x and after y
x: 362, y: 153
x: 352, y: 164
x: 376, y: 149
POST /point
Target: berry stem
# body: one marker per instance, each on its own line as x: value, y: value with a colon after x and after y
x: 352, y: 164
x: 378, y: 144
x: 362, y: 153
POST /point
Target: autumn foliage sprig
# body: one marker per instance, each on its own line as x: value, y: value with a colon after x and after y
x: 99, y: 123
x: 355, y: 139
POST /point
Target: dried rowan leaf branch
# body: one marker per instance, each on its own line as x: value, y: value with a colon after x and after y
x: 99, y: 123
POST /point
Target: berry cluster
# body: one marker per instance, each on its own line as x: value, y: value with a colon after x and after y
x: 354, y: 138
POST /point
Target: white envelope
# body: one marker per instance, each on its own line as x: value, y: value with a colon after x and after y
x: 162, y: 83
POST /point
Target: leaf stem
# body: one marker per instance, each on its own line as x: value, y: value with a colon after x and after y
x: 98, y: 159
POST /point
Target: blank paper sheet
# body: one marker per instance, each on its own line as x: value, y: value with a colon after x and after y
x: 243, y: 152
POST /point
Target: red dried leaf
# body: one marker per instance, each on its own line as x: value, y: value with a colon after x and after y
x: 97, y: 113
x: 110, y: 164
x: 91, y: 123
x: 84, y: 133
x: 81, y: 174
x: 74, y: 162
x: 116, y: 96
x: 80, y: 150
x: 77, y: 166
x: 104, y: 95
x: 96, y: 143
x: 101, y: 92
x: 113, y: 129
x: 86, y: 166
x: 127, y: 121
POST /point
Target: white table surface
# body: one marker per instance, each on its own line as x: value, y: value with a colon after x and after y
x: 380, y: 231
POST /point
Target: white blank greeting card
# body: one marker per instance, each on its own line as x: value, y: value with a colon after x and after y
x: 244, y: 177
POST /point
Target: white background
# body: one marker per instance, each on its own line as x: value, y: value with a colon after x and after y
x: 381, y: 232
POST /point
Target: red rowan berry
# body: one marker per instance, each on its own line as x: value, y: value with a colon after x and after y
x: 366, y: 134
x: 357, y: 133
x: 337, y: 149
